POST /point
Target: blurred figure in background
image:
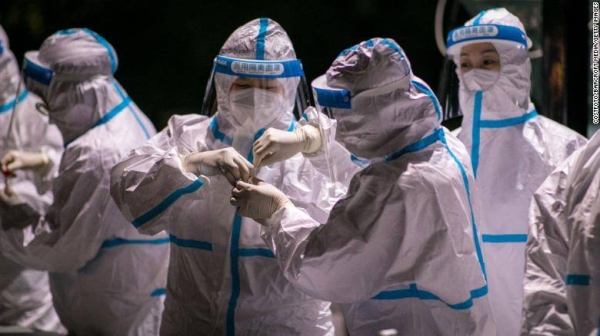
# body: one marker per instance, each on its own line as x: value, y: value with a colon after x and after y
x: 562, y: 275
x: 106, y: 278
x: 25, y: 298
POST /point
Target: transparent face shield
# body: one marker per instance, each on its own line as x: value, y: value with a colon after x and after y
x: 271, y: 87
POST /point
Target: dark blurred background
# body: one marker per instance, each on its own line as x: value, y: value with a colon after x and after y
x: 166, y: 49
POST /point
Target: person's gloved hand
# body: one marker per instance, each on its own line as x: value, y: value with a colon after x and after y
x: 15, y: 160
x: 277, y: 145
x: 258, y: 199
x: 227, y: 162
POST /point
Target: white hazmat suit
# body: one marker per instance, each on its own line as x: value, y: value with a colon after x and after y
x: 401, y: 249
x: 513, y: 149
x: 25, y: 298
x: 223, y: 280
x: 562, y: 276
x: 106, y: 278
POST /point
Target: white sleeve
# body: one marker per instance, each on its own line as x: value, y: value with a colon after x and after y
x: 71, y: 232
x: 151, y: 179
x: 545, y: 307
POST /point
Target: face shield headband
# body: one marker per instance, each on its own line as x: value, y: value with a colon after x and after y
x: 257, y: 69
x: 461, y: 36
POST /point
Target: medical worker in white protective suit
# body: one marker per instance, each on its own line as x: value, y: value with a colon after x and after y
x: 562, y: 276
x: 222, y: 277
x: 106, y: 278
x: 25, y: 298
x: 401, y: 249
x: 513, y: 149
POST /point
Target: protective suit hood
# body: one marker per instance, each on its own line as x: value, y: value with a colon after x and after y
x: 380, y: 105
x: 259, y: 49
x: 512, y: 150
x: 72, y: 72
x: 506, y: 95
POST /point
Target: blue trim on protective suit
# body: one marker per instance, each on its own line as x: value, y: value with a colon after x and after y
x: 438, y: 134
x: 132, y: 110
x: 260, y: 38
x: 578, y: 280
x: 501, y: 123
x: 107, y: 117
x: 190, y: 243
x: 394, y: 46
x: 418, y: 145
x: 214, y: 127
x: 159, y: 292
x: 111, y: 55
x: 121, y: 241
x: 256, y: 252
x: 235, y: 251
x: 8, y: 106
x: 476, y: 131
x: 465, y: 178
x: 235, y: 276
x: 478, y: 17
x: 162, y: 206
x: 113, y: 113
x: 432, y: 96
x: 414, y: 292
x: 504, y: 238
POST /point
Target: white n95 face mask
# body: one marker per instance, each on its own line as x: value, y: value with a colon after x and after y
x: 255, y: 108
x: 480, y: 79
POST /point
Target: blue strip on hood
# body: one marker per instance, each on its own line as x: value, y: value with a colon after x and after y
x: 260, y: 38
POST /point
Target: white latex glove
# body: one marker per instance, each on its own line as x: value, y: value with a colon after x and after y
x: 227, y: 162
x: 277, y: 145
x: 258, y: 199
x: 15, y: 160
